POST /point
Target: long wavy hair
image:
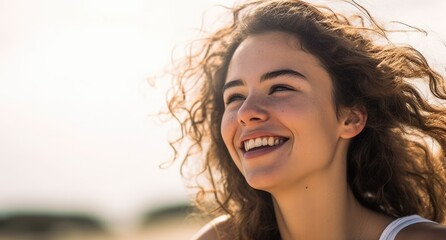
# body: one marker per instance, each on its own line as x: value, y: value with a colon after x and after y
x: 396, y: 165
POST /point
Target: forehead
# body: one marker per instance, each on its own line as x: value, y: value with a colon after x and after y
x: 270, y: 51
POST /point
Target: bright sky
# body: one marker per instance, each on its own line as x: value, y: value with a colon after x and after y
x: 74, y: 104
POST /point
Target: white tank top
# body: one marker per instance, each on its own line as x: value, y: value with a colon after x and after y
x: 396, y: 226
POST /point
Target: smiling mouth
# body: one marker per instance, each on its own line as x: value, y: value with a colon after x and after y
x: 262, y: 142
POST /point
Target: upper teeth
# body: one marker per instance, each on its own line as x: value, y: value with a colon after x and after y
x: 262, y: 141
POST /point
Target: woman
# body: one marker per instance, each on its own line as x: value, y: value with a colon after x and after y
x: 312, y: 128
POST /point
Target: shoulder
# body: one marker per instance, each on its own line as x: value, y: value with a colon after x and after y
x: 421, y: 231
x: 217, y: 229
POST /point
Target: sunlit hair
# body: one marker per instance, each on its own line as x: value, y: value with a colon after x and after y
x: 392, y: 166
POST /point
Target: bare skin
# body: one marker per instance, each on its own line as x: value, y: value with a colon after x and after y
x: 276, y: 90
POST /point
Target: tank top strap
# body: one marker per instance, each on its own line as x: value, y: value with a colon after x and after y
x: 397, y: 225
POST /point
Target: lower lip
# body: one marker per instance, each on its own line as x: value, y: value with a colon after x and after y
x: 262, y: 151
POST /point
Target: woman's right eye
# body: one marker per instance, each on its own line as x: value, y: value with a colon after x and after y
x: 233, y: 98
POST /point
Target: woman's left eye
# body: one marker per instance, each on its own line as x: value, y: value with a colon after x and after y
x: 280, y: 88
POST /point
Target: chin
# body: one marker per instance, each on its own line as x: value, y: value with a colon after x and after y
x: 263, y: 180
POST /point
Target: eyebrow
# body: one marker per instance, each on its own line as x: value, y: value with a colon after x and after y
x: 281, y: 72
x: 264, y: 77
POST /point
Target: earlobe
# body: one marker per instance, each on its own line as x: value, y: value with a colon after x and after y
x: 353, y: 122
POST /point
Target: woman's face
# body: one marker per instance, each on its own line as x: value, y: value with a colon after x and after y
x: 279, y: 123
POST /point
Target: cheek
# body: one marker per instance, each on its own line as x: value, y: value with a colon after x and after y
x: 228, y: 128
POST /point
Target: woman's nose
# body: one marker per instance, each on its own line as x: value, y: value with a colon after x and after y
x: 252, y: 111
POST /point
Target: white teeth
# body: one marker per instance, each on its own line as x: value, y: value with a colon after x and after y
x: 249, y: 144
x: 271, y: 141
x: 259, y: 142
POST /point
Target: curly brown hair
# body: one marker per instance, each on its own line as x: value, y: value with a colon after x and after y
x: 396, y: 165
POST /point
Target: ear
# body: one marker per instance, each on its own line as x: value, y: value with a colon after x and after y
x: 353, y: 122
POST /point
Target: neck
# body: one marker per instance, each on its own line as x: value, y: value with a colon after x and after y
x: 315, y: 212
x: 323, y: 207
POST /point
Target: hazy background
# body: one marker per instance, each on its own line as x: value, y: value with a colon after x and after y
x: 75, y: 131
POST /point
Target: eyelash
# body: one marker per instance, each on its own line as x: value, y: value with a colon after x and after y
x: 274, y: 88
x: 234, y: 97
x: 282, y: 87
